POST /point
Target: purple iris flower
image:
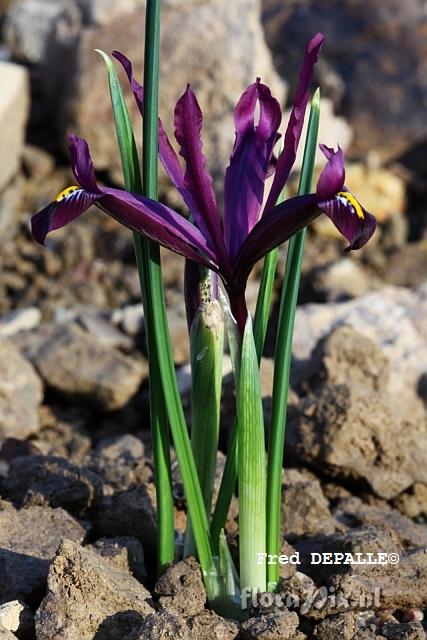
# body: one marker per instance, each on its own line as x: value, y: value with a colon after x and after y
x: 247, y: 231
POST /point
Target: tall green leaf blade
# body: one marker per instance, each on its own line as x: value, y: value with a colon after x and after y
x: 158, y: 416
x: 251, y: 468
x: 283, y: 354
x: 150, y: 268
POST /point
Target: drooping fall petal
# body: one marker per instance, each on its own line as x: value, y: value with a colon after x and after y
x: 286, y: 159
x: 67, y: 206
x: 152, y: 219
x: 279, y: 225
x: 355, y: 223
x: 249, y: 163
x: 292, y: 215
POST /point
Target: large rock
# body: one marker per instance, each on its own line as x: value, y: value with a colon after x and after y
x: 352, y: 432
x: 180, y: 589
x: 376, y: 73
x: 217, y: 46
x: 399, y: 583
x: 75, y: 364
x: 39, y: 480
x: 394, y: 319
x: 14, y: 102
x: 20, y: 394
x: 29, y: 539
x: 43, y: 34
x: 129, y: 513
x: 89, y: 598
x: 305, y: 510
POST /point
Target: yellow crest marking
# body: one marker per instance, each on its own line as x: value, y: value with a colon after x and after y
x: 65, y: 193
x: 353, y: 202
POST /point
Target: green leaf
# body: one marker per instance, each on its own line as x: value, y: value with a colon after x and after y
x: 158, y: 416
x: 124, y: 131
x: 251, y: 468
x: 149, y: 266
x: 206, y: 352
x: 283, y: 354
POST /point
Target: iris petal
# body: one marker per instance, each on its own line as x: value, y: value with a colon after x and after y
x: 286, y: 159
x: 332, y: 178
x: 355, y: 223
x: 188, y: 122
x: 282, y: 222
x: 61, y: 211
x: 152, y: 219
x: 249, y: 163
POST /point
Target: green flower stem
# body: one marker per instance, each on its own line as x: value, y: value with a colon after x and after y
x: 260, y: 324
x: 158, y: 416
x: 263, y: 304
x: 251, y: 468
x: 206, y: 351
x: 283, y: 355
x: 148, y: 257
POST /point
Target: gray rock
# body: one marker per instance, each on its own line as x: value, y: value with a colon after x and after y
x: 340, y: 280
x: 279, y: 624
x: 14, y: 105
x: 389, y: 586
x: 403, y: 631
x: 125, y: 553
x: 390, y: 57
x: 19, y: 320
x: 354, y: 512
x: 413, y: 503
x: 129, y: 513
x: 21, y: 393
x: 305, y: 510
x: 41, y: 480
x: 346, y: 356
x: 44, y: 34
x: 11, y: 207
x: 393, y: 319
x: 72, y: 362
x: 16, y: 616
x: 5, y: 634
x: 101, y: 12
x: 97, y: 322
x: 162, y: 626
x: 29, y: 539
x: 208, y: 625
x: 351, y: 432
x: 87, y: 597
x: 130, y: 319
x: 216, y: 46
x: 121, y: 461
x: 180, y: 589
x: 341, y: 626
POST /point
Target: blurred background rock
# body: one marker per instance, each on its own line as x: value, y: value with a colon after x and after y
x: 374, y: 95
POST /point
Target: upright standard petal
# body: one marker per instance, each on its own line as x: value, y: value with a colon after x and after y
x: 188, y: 122
x: 167, y: 154
x: 332, y: 178
x: 286, y: 159
x: 150, y: 218
x: 249, y: 163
